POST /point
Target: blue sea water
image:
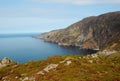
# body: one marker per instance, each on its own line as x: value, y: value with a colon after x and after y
x: 26, y: 48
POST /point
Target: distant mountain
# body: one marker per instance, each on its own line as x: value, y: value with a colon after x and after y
x: 95, y: 32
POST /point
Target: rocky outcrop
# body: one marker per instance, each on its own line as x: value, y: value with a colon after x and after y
x: 48, y: 68
x: 5, y: 61
x: 96, y: 32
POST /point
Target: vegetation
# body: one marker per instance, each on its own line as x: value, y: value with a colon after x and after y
x: 82, y: 68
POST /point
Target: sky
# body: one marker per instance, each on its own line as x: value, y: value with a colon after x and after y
x: 37, y: 16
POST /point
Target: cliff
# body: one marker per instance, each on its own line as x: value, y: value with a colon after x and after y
x: 95, y: 32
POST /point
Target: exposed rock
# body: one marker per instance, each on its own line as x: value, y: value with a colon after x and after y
x: 40, y: 73
x: 27, y: 79
x: 68, y: 62
x: 48, y: 68
x: 96, y: 32
x: 108, y: 52
x: 90, y: 61
x: 16, y: 77
x: 5, y: 61
x: 94, y: 55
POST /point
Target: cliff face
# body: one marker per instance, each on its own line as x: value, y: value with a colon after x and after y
x: 96, y: 32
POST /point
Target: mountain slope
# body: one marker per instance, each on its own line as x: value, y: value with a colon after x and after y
x: 65, y: 68
x: 96, y: 32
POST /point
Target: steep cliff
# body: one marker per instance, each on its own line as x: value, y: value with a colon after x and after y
x: 96, y: 32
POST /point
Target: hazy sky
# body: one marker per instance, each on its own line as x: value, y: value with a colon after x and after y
x: 24, y: 16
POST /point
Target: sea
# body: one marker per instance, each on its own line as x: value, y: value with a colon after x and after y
x: 22, y: 48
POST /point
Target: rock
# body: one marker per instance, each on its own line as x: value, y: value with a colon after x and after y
x: 27, y: 79
x: 49, y: 67
x: 40, y: 73
x: 66, y: 59
x: 108, y: 52
x: 90, y: 61
x: 15, y: 66
x: 5, y: 61
x: 16, y: 77
x: 68, y: 62
x: 94, y: 55
x: 32, y: 79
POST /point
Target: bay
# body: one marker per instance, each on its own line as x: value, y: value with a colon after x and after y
x: 26, y: 48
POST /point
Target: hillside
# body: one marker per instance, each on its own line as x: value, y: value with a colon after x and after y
x: 96, y: 67
x: 95, y: 32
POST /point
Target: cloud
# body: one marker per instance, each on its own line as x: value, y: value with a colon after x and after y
x: 21, y: 12
x: 31, y: 24
x: 79, y: 2
x: 41, y: 12
x: 27, y: 21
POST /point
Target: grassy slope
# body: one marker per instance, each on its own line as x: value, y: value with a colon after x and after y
x: 102, y: 68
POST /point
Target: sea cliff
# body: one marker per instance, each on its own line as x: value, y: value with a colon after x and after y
x: 95, y: 32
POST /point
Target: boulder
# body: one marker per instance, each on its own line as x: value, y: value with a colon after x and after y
x: 5, y: 61
x: 68, y: 62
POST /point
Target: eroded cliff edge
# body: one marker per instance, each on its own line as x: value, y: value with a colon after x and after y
x: 96, y: 32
